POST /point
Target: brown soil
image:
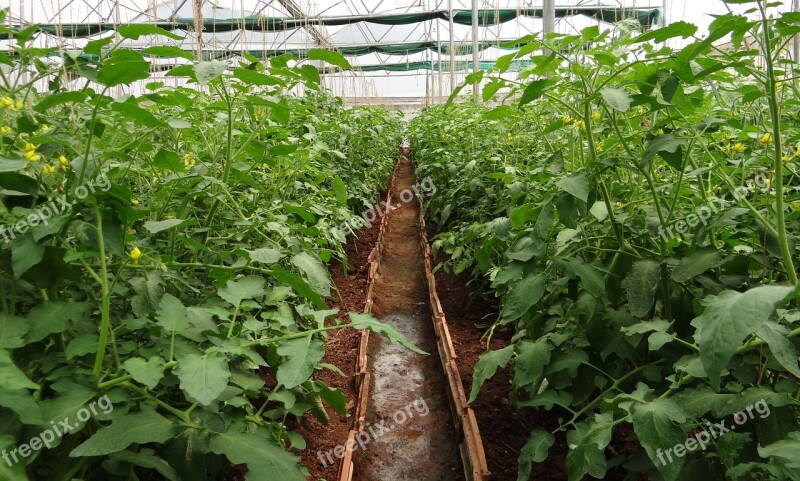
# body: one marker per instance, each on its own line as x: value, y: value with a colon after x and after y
x: 503, y: 430
x: 341, y: 351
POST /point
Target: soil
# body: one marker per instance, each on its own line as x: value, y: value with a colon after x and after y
x: 503, y: 431
x: 341, y: 351
x: 407, y: 393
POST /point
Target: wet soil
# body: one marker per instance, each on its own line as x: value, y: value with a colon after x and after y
x: 411, y: 437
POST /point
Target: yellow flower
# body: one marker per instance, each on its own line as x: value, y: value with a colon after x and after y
x: 510, y: 136
x: 796, y: 205
x: 134, y: 202
x: 131, y: 231
x: 787, y: 158
x: 567, y: 119
x: 619, y: 204
x: 7, y: 103
x: 32, y: 156
x: 659, y: 132
x: 738, y: 148
x: 188, y: 161
x: 600, y: 145
x: 18, y: 105
x: 63, y: 162
x: 5, y: 130
x: 580, y: 124
x: 766, y: 138
x: 169, y: 216
x: 641, y: 111
x: 29, y: 147
x: 597, y: 116
x: 136, y: 254
x: 48, y: 169
x: 726, y: 135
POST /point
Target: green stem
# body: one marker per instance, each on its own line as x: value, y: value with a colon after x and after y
x: 105, y: 308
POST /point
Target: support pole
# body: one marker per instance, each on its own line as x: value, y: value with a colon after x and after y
x: 452, y: 52
x: 475, y: 58
x: 198, y: 27
x: 439, y: 58
x: 796, y: 39
x: 549, y: 16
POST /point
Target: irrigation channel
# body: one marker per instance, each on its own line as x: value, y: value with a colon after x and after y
x: 415, y: 423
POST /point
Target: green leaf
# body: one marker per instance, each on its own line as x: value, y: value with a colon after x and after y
x: 535, y: 90
x: 168, y: 51
x: 368, y: 321
x: 264, y: 459
x: 23, y: 405
x: 265, y: 256
x: 784, y: 450
x: 700, y: 261
x: 11, y: 165
x: 12, y: 377
x: 776, y: 337
x: 618, y: 99
x: 53, y: 317
x: 531, y: 359
x: 586, y: 450
x: 246, y: 288
x: 640, y: 285
x: 577, y: 185
x: 147, y: 372
x: 82, y: 345
x: 534, y: 451
x: 669, y: 147
x: 676, y: 29
x: 147, y: 459
x: 146, y: 426
x: 12, y: 331
x: 204, y: 378
x: 523, y: 295
x: 333, y: 58
x: 137, y: 114
x: 168, y: 160
x: 251, y: 77
x: 124, y: 67
x: 728, y: 319
x: 15, y: 472
x: 207, y: 71
x: 25, y: 253
x: 156, y: 226
x: 50, y: 101
x: 657, y: 426
x: 302, y: 357
x: 315, y: 271
x: 172, y: 314
x: 487, y: 366
x: 134, y: 31
x: 299, y: 285
x: 591, y: 278
x: 340, y: 189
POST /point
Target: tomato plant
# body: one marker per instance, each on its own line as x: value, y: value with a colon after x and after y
x: 635, y: 209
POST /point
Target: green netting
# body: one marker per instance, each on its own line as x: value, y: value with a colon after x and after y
x: 646, y: 17
x: 460, y: 65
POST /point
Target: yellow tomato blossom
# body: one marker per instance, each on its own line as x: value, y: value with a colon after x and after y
x: 5, y: 130
x: 600, y: 145
x: 766, y: 138
x: 619, y: 204
x: 7, y: 103
x: 18, y: 105
x: 567, y: 119
x: 726, y: 135
x: 737, y: 148
x: 136, y: 254
x: 659, y: 132
x: 597, y: 116
x: 579, y: 123
x: 188, y: 160
x: 63, y: 162
x: 641, y: 111
x: 134, y: 201
x: 29, y: 147
x: 48, y: 169
x: 32, y: 156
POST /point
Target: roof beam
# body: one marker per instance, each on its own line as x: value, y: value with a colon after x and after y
x: 319, y: 34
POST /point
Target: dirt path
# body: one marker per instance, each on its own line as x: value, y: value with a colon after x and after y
x: 409, y: 418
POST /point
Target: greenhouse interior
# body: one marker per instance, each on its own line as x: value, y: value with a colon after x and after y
x: 399, y: 240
